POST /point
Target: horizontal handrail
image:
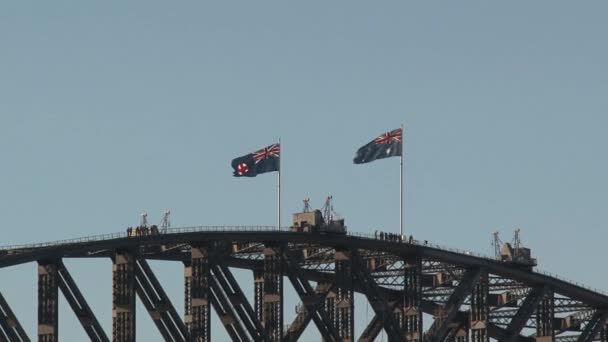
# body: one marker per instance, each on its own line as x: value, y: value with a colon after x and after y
x: 273, y: 229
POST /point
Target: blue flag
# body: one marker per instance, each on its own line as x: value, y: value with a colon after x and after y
x: 387, y: 145
x: 261, y: 161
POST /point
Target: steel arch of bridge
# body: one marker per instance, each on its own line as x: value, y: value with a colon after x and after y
x: 470, y: 298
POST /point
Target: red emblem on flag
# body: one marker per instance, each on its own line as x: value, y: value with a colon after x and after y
x: 389, y: 137
x: 242, y: 169
x: 267, y: 152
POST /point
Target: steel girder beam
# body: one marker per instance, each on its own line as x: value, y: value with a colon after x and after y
x: 312, y: 304
x: 197, y: 295
x: 158, y: 304
x: 375, y: 297
x: 239, y: 302
x: 545, y: 314
x: 479, y: 310
x: 445, y: 316
x: 48, y: 302
x: 426, y: 306
x: 305, y: 315
x: 123, y: 297
x: 10, y: 328
x: 79, y: 305
x: 374, y: 328
x: 534, y: 297
x: 272, y: 296
x: 594, y: 326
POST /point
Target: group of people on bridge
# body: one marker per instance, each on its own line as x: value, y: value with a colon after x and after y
x: 142, y: 231
x: 392, y: 237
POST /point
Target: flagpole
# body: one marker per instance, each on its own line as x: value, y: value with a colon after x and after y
x: 401, y: 217
x: 279, y: 188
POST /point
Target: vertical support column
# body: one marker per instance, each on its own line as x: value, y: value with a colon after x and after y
x: 344, y: 319
x: 48, y: 304
x: 480, y: 310
x: 544, y: 318
x: 330, y: 306
x: 258, y: 293
x: 188, y: 295
x: 412, y: 315
x: 197, y: 300
x: 272, y: 300
x: 123, y: 297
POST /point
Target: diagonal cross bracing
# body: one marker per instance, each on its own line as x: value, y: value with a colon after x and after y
x: 158, y: 304
x: 593, y: 327
x: 373, y: 328
x: 228, y: 316
x: 79, y: 305
x: 304, y: 316
x: 494, y: 331
x: 239, y: 302
x: 312, y: 302
x: 442, y: 322
x: 524, y: 312
x: 375, y: 297
x: 10, y: 328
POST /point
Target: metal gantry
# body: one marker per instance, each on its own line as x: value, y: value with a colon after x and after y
x: 465, y: 298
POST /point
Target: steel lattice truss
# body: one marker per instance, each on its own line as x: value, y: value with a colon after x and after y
x: 462, y: 297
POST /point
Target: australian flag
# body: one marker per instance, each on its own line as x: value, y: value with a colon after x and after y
x: 387, y: 145
x: 261, y: 161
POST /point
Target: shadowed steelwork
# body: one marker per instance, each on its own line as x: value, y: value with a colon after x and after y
x: 197, y: 294
x: 524, y: 312
x: 545, y: 316
x: 595, y: 325
x: 272, y: 296
x: 446, y: 315
x: 239, y: 302
x: 479, y: 310
x: 311, y: 307
x: 79, y: 305
x: 157, y: 303
x: 375, y: 297
x: 469, y: 296
x: 372, y: 330
x: 228, y: 317
x: 10, y: 328
x: 48, y: 302
x: 123, y: 297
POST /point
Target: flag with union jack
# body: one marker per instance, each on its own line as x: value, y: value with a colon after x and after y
x: 264, y: 160
x: 389, y: 144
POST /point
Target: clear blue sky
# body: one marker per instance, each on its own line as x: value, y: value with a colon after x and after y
x: 107, y: 109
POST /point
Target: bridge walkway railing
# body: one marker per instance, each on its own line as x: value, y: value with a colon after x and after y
x: 267, y: 228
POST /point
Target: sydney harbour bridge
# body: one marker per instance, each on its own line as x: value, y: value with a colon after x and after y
x: 464, y: 297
